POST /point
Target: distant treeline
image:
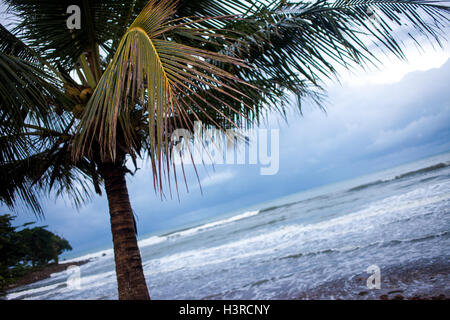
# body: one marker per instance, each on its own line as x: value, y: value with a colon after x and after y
x: 24, y: 249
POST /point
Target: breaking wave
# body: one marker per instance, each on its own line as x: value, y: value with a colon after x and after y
x: 401, y: 176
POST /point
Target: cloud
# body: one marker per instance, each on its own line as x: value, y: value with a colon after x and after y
x: 216, y: 178
x: 393, y: 70
x: 417, y: 130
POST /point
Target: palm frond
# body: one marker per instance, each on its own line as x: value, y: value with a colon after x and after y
x: 33, y: 178
x: 29, y: 123
x: 43, y: 27
x: 294, y: 46
x: 28, y: 94
x: 161, y: 75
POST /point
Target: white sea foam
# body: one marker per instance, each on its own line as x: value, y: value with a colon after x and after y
x: 17, y: 294
x: 210, y: 225
x: 152, y: 240
x: 283, y: 237
x: 379, y: 213
x: 93, y: 255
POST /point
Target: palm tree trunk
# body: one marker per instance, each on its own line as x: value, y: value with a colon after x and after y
x: 129, y: 272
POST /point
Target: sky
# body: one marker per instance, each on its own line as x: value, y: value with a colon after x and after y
x: 374, y: 120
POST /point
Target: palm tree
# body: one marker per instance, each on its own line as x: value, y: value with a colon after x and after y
x: 77, y: 105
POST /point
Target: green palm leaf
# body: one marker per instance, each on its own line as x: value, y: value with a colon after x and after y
x: 159, y: 74
x: 32, y: 157
x: 295, y: 46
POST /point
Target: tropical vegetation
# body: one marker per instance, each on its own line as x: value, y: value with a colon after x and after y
x: 27, y: 249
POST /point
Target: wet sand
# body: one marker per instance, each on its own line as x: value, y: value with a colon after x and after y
x: 44, y: 273
x: 421, y: 280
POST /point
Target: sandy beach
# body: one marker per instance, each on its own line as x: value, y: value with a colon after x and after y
x: 423, y: 280
x: 44, y: 273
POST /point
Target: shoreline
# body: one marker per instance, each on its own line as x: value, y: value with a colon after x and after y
x: 44, y: 273
x: 415, y: 280
x: 421, y: 280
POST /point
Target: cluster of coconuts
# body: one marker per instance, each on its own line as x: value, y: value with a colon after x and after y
x: 81, y: 95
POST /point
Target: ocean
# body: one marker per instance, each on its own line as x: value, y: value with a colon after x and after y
x: 316, y: 244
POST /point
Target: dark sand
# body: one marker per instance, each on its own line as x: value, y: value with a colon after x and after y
x: 420, y: 280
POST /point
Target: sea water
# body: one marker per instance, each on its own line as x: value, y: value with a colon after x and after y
x: 314, y: 244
